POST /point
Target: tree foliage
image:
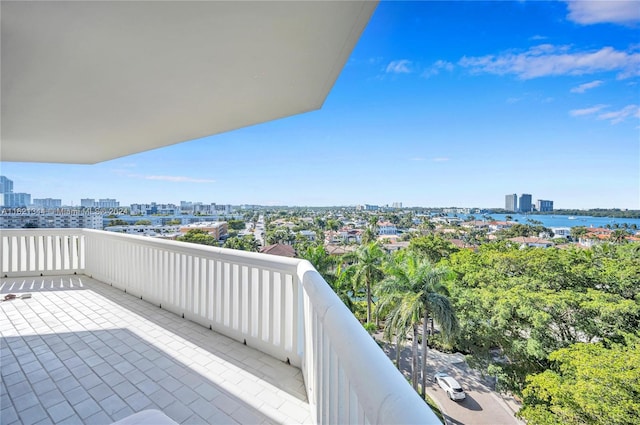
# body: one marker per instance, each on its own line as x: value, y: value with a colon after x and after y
x: 587, y: 384
x: 243, y: 243
x: 432, y: 247
x: 368, y: 271
x: 527, y: 303
x: 236, y: 224
x: 414, y: 293
x: 198, y: 236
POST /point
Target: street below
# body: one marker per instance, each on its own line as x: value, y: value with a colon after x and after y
x: 482, y: 406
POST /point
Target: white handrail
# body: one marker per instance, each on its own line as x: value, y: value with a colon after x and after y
x: 349, y: 379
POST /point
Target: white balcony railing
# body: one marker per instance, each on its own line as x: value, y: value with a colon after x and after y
x: 277, y: 305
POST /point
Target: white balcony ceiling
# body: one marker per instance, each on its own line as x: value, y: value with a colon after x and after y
x: 85, y: 81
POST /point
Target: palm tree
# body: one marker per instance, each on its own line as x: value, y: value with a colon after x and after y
x: 619, y: 236
x: 318, y: 256
x: 343, y: 287
x: 427, y: 227
x: 416, y: 289
x: 395, y: 325
x: 368, y: 270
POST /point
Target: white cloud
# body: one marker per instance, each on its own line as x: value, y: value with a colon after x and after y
x: 595, y: 12
x: 416, y: 158
x: 548, y: 60
x: 178, y: 179
x: 587, y: 111
x: 437, y: 67
x: 618, y: 116
x: 615, y: 117
x: 586, y: 86
x: 399, y: 67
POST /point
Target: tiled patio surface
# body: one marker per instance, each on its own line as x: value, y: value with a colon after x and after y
x: 80, y: 351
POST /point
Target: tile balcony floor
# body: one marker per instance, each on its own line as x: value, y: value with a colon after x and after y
x: 80, y: 351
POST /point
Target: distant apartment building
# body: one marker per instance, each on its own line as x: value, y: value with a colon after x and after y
x: 217, y: 229
x: 208, y: 209
x: 396, y: 205
x: 544, y: 205
x: 153, y: 208
x: 10, y: 199
x: 222, y: 209
x: 16, y: 200
x: 456, y: 210
x: 525, y: 203
x: 100, y: 203
x: 367, y: 207
x: 47, y: 203
x: 145, y: 230
x: 511, y: 202
x: 44, y: 220
x: 6, y: 185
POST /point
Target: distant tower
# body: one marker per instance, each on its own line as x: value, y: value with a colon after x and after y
x: 511, y: 202
x: 544, y: 205
x: 6, y: 185
x: 525, y: 202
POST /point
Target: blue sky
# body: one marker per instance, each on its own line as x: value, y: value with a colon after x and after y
x: 440, y: 104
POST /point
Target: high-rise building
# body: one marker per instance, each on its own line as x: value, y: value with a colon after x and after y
x: 6, y: 185
x: 100, y: 203
x: 511, y: 202
x: 20, y: 220
x: 107, y: 203
x: 525, y: 202
x: 544, y: 205
x: 47, y: 203
x: 17, y: 200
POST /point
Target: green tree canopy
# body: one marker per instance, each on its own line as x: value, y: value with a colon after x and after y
x: 587, y: 384
x: 432, y: 247
x: 236, y: 224
x: 117, y: 222
x: 243, y: 243
x: 198, y: 236
x: 529, y: 303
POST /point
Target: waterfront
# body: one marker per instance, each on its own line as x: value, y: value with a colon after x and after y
x: 562, y: 220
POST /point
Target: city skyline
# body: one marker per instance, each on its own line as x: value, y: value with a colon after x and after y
x: 440, y: 104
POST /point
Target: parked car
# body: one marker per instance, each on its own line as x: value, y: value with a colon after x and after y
x: 450, y: 386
